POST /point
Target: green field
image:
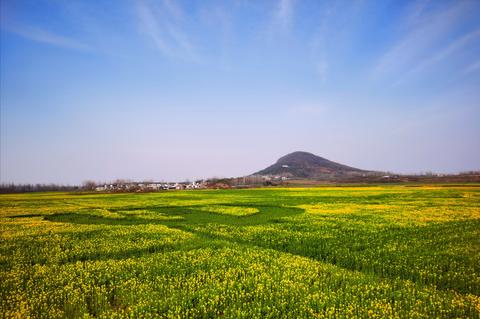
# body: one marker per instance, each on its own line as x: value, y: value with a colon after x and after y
x: 376, y: 252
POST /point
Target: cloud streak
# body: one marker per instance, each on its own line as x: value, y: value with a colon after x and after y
x: 319, y: 44
x: 474, y: 67
x: 282, y: 18
x: 426, y: 34
x: 162, y: 24
x: 43, y: 36
x: 284, y: 12
x: 441, y: 55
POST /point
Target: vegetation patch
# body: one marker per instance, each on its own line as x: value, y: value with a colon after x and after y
x: 231, y: 210
x: 353, y: 252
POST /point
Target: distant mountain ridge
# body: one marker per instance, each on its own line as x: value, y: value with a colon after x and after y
x: 304, y: 165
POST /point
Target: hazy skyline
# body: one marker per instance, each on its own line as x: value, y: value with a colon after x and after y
x: 170, y: 90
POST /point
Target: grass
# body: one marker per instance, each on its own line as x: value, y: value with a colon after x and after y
x: 383, y: 251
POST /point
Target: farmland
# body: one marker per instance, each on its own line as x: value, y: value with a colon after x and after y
x: 378, y: 251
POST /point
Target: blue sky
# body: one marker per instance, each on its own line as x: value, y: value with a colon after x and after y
x: 170, y: 90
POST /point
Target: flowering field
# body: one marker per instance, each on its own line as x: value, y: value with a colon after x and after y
x: 366, y: 252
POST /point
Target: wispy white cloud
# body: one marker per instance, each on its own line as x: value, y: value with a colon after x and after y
x: 450, y: 49
x: 473, y: 67
x: 149, y: 25
x: 322, y: 69
x: 441, y: 55
x: 282, y: 17
x: 335, y: 35
x: 318, y: 52
x: 162, y: 23
x: 284, y: 11
x: 415, y: 12
x: 173, y: 9
x: 319, y: 43
x: 426, y: 33
x: 43, y: 36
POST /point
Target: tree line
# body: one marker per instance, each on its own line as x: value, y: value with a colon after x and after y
x: 9, y: 188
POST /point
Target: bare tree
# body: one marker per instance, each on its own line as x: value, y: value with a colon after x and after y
x: 89, y: 185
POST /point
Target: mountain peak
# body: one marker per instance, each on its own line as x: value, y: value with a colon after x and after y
x: 305, y: 165
x: 299, y: 156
